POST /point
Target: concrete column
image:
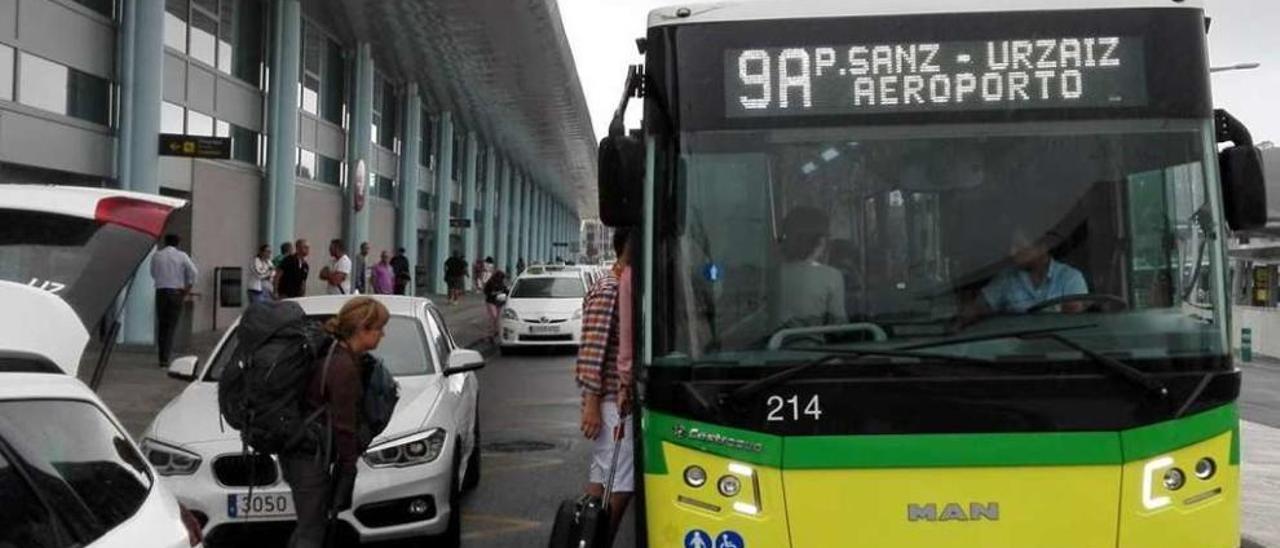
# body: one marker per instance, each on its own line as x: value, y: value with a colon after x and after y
x: 359, y: 146
x: 542, y: 224
x: 490, y: 246
x: 410, y: 151
x: 548, y: 251
x: 470, y: 248
x: 535, y: 200
x: 517, y: 218
x: 526, y: 220
x: 282, y: 121
x: 504, y: 259
x: 140, y: 149
x: 444, y: 197
x: 561, y: 227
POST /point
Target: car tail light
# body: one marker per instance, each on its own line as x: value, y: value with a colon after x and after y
x: 140, y: 215
x: 195, y: 534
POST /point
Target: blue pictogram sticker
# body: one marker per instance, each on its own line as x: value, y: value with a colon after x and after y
x: 698, y: 538
x: 711, y: 272
x: 729, y: 539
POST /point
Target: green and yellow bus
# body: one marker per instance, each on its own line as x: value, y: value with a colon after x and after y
x: 924, y: 273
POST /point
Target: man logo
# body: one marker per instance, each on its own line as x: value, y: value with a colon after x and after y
x: 954, y: 512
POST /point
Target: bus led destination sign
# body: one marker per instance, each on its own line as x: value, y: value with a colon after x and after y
x: 1068, y: 72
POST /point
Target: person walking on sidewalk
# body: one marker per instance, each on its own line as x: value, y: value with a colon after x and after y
x: 338, y: 387
x: 496, y: 285
x: 383, y: 279
x: 294, y: 271
x: 338, y: 273
x: 604, y: 374
x: 486, y: 272
x: 361, y: 269
x: 261, y: 275
x: 455, y: 274
x: 174, y: 275
x: 400, y: 265
x: 477, y: 270
x: 286, y: 249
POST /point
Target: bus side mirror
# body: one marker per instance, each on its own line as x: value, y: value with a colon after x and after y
x: 621, y: 180
x: 1244, y: 189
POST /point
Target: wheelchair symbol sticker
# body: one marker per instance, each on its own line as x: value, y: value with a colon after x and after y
x: 729, y: 539
x: 698, y: 539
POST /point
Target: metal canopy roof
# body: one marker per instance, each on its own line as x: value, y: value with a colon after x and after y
x: 505, y: 70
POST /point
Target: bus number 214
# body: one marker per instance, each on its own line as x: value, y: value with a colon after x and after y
x: 788, y: 409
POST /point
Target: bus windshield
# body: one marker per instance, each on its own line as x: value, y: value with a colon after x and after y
x: 882, y: 237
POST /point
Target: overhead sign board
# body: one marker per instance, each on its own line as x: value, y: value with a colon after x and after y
x: 195, y: 146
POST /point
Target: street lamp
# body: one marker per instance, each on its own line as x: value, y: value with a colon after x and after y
x: 1237, y: 66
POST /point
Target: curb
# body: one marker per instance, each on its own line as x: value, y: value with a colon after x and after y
x: 1259, y: 360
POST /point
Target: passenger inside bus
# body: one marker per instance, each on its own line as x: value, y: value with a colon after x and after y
x: 808, y: 293
x: 1036, y: 277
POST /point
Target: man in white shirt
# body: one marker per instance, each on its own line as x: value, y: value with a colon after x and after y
x: 338, y: 273
x: 174, y: 275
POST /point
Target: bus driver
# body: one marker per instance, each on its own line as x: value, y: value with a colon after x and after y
x: 1035, y: 278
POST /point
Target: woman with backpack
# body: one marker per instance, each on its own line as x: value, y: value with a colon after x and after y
x: 337, y: 387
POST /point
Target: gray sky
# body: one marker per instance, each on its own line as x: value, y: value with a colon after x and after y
x: 602, y: 34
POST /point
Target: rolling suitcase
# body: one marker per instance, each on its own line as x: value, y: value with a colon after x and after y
x: 584, y: 522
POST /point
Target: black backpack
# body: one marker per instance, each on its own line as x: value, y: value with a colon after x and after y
x: 262, y: 392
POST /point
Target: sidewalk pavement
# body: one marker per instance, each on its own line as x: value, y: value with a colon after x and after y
x: 1259, y: 359
x: 136, y: 389
x: 1260, y: 481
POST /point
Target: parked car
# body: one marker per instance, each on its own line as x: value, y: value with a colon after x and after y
x: 71, y: 476
x: 69, y: 473
x: 544, y: 308
x: 407, y: 483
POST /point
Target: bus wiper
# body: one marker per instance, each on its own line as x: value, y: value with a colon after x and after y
x: 1124, y: 370
x: 752, y: 388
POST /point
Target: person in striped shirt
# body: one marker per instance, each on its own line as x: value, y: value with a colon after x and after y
x: 603, y: 373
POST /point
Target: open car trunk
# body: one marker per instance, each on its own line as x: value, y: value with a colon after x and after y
x: 81, y: 245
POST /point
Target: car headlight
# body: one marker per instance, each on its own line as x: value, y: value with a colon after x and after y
x: 410, y: 450
x: 577, y: 314
x: 509, y: 314
x: 170, y: 460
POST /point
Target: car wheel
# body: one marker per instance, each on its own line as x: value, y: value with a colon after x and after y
x: 472, y: 479
x: 452, y: 537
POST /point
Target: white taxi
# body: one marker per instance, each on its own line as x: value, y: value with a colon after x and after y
x: 544, y: 308
x: 408, y: 482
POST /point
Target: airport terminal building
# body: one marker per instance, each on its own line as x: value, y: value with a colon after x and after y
x: 439, y: 126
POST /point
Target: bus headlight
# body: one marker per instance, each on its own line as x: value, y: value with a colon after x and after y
x: 695, y: 476
x: 729, y: 486
x: 1174, y: 479
x: 1206, y: 468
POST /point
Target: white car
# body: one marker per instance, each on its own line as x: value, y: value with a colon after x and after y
x: 407, y: 483
x: 544, y: 308
x: 69, y: 473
